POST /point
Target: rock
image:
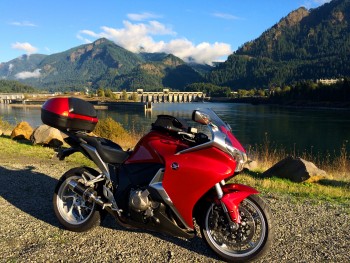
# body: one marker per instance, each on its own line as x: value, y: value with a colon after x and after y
x: 22, y: 131
x: 251, y: 165
x: 46, y: 135
x: 296, y: 170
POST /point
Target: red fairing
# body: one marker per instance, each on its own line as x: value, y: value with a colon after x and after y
x: 197, y: 173
x: 234, y: 194
x: 233, y: 139
x: 155, y: 147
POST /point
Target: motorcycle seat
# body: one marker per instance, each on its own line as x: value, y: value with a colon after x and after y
x: 109, y: 151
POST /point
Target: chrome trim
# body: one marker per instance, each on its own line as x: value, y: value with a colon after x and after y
x: 219, y: 190
x: 157, y: 184
x: 218, y: 141
x: 196, y: 148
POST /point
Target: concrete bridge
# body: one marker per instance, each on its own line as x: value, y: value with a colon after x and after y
x: 8, y: 98
x: 163, y: 96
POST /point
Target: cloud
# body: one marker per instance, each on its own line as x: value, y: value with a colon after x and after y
x: 225, y: 16
x: 23, y: 23
x: 321, y: 2
x: 135, y: 37
x: 28, y: 48
x: 28, y: 74
x: 143, y: 16
x: 315, y: 3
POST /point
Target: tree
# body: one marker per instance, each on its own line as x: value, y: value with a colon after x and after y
x: 101, y: 92
x: 124, y: 95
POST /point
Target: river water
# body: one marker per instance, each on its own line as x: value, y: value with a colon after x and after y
x: 317, y: 131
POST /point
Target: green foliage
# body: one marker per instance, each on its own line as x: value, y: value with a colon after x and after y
x: 210, y: 89
x: 311, y: 92
x: 12, y: 86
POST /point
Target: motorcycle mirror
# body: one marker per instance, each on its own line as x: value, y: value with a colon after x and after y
x: 200, y: 117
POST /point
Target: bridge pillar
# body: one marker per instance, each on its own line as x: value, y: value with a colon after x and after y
x: 181, y: 97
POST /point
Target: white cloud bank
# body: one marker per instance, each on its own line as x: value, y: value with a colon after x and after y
x: 28, y: 74
x: 225, y: 16
x: 23, y: 23
x: 143, y: 16
x: 139, y: 36
x: 28, y: 48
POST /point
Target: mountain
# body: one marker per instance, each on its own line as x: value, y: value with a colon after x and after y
x: 21, y: 64
x: 304, y: 45
x: 100, y: 64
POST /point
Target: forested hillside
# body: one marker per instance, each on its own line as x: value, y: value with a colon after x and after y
x: 305, y: 45
x: 101, y: 64
x: 12, y: 86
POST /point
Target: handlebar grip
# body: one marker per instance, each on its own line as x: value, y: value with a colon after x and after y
x: 174, y: 129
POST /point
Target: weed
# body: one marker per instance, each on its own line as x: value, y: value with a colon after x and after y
x: 337, y: 165
x: 4, y: 125
x: 114, y: 131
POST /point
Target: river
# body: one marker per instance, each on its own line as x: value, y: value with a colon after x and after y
x: 317, y: 131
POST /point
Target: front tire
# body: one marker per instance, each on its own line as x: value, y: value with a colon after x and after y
x: 250, y: 240
x: 71, y: 210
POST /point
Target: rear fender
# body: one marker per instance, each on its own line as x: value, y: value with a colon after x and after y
x: 234, y: 194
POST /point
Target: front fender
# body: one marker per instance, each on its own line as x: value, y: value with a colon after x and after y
x: 234, y: 194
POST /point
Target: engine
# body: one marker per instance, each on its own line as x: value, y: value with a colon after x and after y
x: 139, y: 201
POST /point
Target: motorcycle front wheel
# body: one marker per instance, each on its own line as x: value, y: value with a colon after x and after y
x: 71, y: 210
x: 250, y: 240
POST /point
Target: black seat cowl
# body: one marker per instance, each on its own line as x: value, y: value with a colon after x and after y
x: 109, y: 151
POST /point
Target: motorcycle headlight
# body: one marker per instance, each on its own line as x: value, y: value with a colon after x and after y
x: 240, y: 157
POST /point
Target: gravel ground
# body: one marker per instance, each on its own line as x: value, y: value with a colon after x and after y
x: 305, y: 231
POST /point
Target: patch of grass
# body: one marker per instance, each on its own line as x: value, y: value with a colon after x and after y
x: 267, y: 154
x: 4, y: 125
x: 24, y: 149
x: 326, y: 190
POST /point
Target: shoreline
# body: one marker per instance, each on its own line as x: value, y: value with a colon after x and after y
x: 97, y: 107
x: 104, y: 105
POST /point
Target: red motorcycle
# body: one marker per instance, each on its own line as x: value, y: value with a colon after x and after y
x: 175, y: 177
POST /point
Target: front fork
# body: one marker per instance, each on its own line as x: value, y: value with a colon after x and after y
x: 230, y: 196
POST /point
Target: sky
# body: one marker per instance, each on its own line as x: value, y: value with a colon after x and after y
x: 203, y: 30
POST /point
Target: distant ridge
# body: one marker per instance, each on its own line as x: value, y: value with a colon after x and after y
x: 100, y: 64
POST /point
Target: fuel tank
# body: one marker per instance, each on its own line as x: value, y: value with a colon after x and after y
x: 155, y: 147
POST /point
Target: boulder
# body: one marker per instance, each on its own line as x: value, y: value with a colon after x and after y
x: 296, y: 170
x: 22, y: 131
x: 251, y: 165
x: 48, y: 136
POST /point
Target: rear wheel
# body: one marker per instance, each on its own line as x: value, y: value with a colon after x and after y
x: 72, y: 211
x: 248, y: 241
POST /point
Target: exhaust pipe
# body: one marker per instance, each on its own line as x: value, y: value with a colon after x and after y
x: 87, y: 193
x: 90, y: 195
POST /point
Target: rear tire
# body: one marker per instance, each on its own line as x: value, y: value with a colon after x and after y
x: 71, y: 210
x: 252, y: 238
